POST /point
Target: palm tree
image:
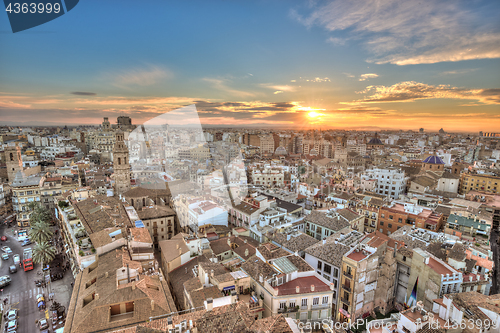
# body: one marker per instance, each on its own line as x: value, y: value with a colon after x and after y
x: 40, y: 232
x: 43, y: 253
x: 39, y: 213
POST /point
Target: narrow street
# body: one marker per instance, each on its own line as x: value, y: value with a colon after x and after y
x: 495, y: 288
x: 22, y: 291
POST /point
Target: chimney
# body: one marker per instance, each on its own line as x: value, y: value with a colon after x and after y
x: 212, y: 273
x: 312, y: 287
x: 261, y: 278
x: 177, y: 246
x: 478, y: 277
x: 133, y: 285
x: 106, y: 274
x: 228, y: 241
x: 209, y: 304
x: 332, y: 287
x: 152, y: 305
x: 96, y: 296
x: 470, y: 278
x: 297, y: 289
x: 246, y: 252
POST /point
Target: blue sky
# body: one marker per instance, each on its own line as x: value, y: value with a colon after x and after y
x: 364, y: 64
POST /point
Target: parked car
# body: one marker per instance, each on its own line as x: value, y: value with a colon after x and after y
x: 3, y: 238
x: 12, y: 269
x: 4, y: 281
x: 12, y: 315
x: 12, y: 326
x: 26, y: 242
x: 17, y: 259
x: 5, y: 256
x: 43, y: 324
x: 6, y: 249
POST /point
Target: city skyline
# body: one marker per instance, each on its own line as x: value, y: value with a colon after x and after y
x: 294, y: 65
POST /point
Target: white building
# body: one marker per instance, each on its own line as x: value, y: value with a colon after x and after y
x: 390, y: 181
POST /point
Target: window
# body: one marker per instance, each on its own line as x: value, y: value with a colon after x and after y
x: 326, y: 277
x: 319, y: 265
x: 328, y: 269
x: 404, y: 258
x: 389, y: 226
x: 315, y: 301
x: 282, y: 304
x: 325, y: 300
x: 381, y: 222
x: 383, y: 215
x: 291, y: 304
x: 390, y: 217
x: 335, y: 272
x: 400, y: 220
x: 304, y: 302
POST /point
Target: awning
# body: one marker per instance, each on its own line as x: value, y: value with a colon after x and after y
x: 229, y: 288
x: 344, y: 312
x: 254, y: 299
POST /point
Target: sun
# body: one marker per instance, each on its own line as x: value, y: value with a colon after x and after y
x: 314, y: 114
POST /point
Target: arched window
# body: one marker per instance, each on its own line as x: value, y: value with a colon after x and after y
x: 11, y: 156
x: 119, y: 161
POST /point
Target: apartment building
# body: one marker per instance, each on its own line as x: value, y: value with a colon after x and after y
x: 288, y: 285
x: 270, y: 177
x: 326, y: 257
x: 431, y: 278
x: 367, y: 278
x: 399, y: 214
x: 115, y: 292
x: 323, y: 224
x: 25, y: 190
x: 390, y: 182
x: 482, y: 183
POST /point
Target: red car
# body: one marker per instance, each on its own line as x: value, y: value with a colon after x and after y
x: 3, y: 238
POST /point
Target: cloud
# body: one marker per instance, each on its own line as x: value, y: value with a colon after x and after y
x: 365, y: 77
x: 410, y: 91
x: 459, y: 71
x: 139, y: 77
x: 314, y: 80
x: 278, y: 92
x: 336, y: 40
x: 83, y: 93
x: 349, y: 75
x: 281, y: 88
x: 412, y: 32
x: 222, y: 85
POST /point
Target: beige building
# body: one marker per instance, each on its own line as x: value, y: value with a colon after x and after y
x: 481, y: 183
x: 367, y: 278
x: 116, y: 292
x: 174, y: 253
x: 25, y: 190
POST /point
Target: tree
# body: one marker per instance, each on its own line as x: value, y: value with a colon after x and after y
x: 39, y: 213
x: 40, y: 232
x: 43, y: 253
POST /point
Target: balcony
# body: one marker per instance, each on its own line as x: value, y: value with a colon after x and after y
x: 304, y: 307
x: 346, y: 288
x: 345, y: 300
x: 348, y: 274
x: 321, y: 306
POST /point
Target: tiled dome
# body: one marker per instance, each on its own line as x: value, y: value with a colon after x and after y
x: 433, y: 160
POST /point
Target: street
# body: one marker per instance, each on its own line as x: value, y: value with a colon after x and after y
x: 22, y: 291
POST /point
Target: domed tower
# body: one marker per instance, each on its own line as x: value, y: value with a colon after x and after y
x: 433, y: 163
x: 121, y: 164
x: 374, y: 143
x: 13, y: 161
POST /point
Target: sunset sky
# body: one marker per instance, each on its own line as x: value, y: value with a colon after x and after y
x: 362, y: 64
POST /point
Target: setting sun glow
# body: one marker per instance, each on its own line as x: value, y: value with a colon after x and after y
x: 314, y: 114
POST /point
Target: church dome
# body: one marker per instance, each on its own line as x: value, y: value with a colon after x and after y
x: 280, y: 151
x: 375, y: 141
x: 313, y: 152
x: 433, y: 160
